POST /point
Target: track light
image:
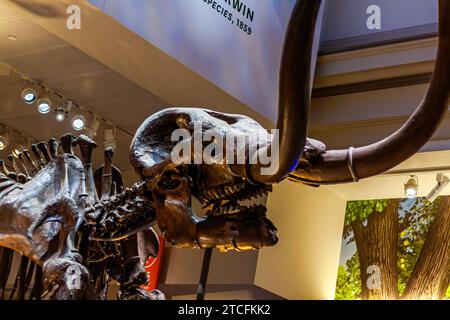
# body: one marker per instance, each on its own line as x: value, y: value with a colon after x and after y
x: 47, y: 100
x: 4, y: 137
x: 412, y: 187
x: 17, y: 150
x: 78, y: 122
x: 442, y: 182
x: 63, y: 111
x: 69, y: 106
x: 60, y: 114
x: 92, y: 128
x: 44, y: 107
x: 110, y: 138
x: 29, y: 94
x: 44, y: 103
x: 20, y: 143
x: 3, y: 142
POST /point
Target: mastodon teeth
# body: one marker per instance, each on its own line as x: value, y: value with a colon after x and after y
x: 208, y: 195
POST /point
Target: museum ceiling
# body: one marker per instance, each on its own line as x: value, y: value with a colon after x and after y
x: 38, y: 55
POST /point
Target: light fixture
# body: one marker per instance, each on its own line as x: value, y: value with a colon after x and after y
x: 29, y: 94
x: 110, y: 138
x: 3, y: 142
x: 412, y: 187
x: 63, y: 111
x: 78, y: 122
x: 19, y: 142
x: 442, y: 182
x: 12, y: 37
x: 60, y: 114
x: 4, y: 137
x: 92, y: 128
x: 17, y: 150
x: 44, y: 103
x: 69, y: 106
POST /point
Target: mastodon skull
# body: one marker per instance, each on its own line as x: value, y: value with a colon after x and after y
x: 209, y: 162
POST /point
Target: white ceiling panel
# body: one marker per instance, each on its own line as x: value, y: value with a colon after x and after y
x: 130, y: 113
x: 56, y: 64
x: 96, y: 88
x: 6, y: 12
x: 30, y: 38
x: 12, y: 106
x: 7, y: 81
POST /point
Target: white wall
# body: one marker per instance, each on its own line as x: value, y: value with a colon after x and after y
x: 304, y: 264
x: 184, y: 266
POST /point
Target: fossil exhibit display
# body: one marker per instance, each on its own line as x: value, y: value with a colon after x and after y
x: 78, y: 227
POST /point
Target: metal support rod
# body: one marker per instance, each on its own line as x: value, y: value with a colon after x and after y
x: 201, y: 290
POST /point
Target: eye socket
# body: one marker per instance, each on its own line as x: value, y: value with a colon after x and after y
x: 170, y: 181
x: 169, y: 184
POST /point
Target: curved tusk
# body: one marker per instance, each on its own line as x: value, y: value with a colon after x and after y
x: 340, y: 166
x: 295, y: 92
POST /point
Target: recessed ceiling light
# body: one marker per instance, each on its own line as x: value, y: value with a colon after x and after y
x: 44, y: 106
x: 29, y: 93
x: 78, y: 122
x: 44, y: 103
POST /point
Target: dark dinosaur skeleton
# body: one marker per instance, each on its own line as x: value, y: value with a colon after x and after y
x: 51, y: 214
x: 62, y: 217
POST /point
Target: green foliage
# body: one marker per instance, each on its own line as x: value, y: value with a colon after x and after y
x: 344, y: 289
x: 348, y: 286
x: 415, y: 220
x: 361, y: 210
